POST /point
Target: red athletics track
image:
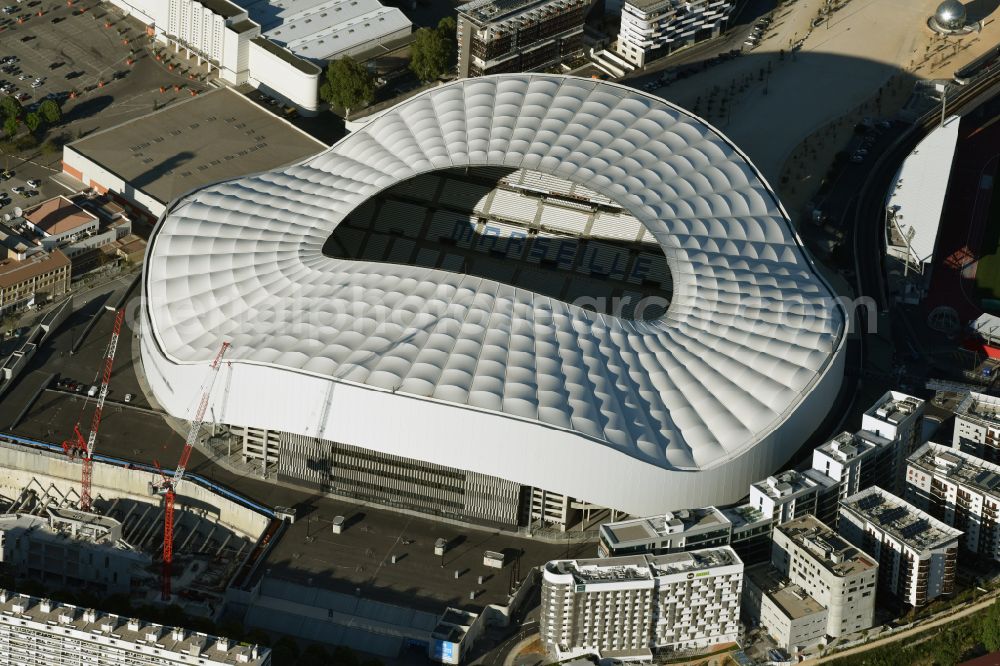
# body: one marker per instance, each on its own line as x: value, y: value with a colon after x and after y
x: 963, y: 220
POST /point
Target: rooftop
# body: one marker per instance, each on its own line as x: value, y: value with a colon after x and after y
x: 146, y: 636
x: 59, y: 215
x: 644, y: 567
x: 794, y: 601
x: 979, y: 407
x: 497, y: 11
x: 828, y: 548
x: 900, y: 519
x: 277, y: 50
x: 318, y: 29
x: 14, y: 272
x: 209, y: 138
x: 784, y: 484
x: 847, y: 446
x: 959, y: 467
x: 894, y: 407
x: 672, y: 522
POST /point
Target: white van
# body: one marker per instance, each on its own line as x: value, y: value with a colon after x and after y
x: 92, y: 391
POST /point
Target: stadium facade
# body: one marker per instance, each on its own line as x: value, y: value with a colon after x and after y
x: 439, y: 312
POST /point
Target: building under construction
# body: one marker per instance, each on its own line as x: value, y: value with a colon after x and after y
x: 499, y: 36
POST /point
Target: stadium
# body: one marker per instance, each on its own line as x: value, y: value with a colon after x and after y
x: 508, y: 299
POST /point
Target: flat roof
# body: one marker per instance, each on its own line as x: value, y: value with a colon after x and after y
x: 142, y: 635
x: 920, y: 188
x: 16, y: 272
x: 979, y: 407
x: 959, y: 467
x: 59, y: 215
x: 664, y: 525
x: 900, y: 519
x: 223, y: 8
x: 287, y: 56
x: 644, y: 567
x: 894, y: 407
x: 793, y: 601
x: 209, y: 138
x: 829, y: 549
x: 319, y: 29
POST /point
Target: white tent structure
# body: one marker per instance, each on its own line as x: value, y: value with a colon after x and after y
x: 458, y: 370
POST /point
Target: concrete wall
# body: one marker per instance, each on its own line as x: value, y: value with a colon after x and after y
x: 278, y: 78
x: 21, y: 465
x: 94, y: 175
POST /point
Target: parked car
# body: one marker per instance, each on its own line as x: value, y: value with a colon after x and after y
x: 128, y: 397
x: 92, y: 391
x: 34, y: 182
x: 17, y: 189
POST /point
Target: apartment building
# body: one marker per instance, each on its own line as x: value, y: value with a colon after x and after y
x: 960, y: 490
x: 674, y: 531
x: 40, y: 632
x: 786, y: 495
x: 637, y: 606
x: 899, y: 418
x: 498, y: 36
x: 852, y: 462
x: 651, y: 29
x: 977, y: 426
x: 916, y: 553
x: 836, y: 573
x: 788, y: 614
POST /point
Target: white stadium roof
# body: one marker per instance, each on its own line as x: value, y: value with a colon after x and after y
x: 643, y: 416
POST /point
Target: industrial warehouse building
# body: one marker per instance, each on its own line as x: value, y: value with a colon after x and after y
x: 278, y: 46
x: 146, y: 163
x: 507, y: 299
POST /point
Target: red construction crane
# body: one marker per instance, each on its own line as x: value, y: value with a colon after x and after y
x: 168, y: 486
x: 85, y: 448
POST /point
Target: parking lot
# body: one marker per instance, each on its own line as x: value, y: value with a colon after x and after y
x: 82, y: 55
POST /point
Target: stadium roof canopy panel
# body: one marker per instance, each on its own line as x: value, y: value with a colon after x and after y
x: 460, y: 370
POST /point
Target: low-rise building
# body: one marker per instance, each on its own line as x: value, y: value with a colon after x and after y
x: 40, y: 631
x: 651, y: 29
x: 674, y: 531
x: 67, y: 224
x: 496, y: 37
x: 632, y: 607
x: 836, y: 573
x: 786, y: 611
x: 977, y: 426
x: 32, y: 279
x: 961, y: 490
x: 916, y: 553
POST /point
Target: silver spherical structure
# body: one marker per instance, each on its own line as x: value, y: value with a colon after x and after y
x: 950, y: 15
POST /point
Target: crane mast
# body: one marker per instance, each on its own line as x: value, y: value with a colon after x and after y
x: 85, y: 448
x: 168, y: 486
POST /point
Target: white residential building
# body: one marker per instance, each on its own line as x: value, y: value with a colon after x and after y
x: 977, y: 426
x: 788, y: 614
x: 852, y: 462
x: 899, y: 418
x: 836, y: 573
x: 785, y: 496
x: 40, y: 632
x: 651, y: 29
x: 630, y: 607
x: 916, y: 553
x: 961, y: 490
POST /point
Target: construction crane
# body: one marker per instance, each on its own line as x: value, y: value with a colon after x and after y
x: 84, y: 448
x: 168, y: 485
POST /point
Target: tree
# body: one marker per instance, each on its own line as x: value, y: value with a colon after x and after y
x: 430, y: 54
x: 49, y: 110
x: 348, y: 84
x: 10, y: 107
x: 33, y: 121
x: 10, y: 126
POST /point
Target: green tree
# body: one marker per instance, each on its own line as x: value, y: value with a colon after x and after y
x: 430, y: 54
x: 10, y: 126
x: 49, y: 110
x: 33, y: 121
x: 348, y: 84
x: 10, y: 107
